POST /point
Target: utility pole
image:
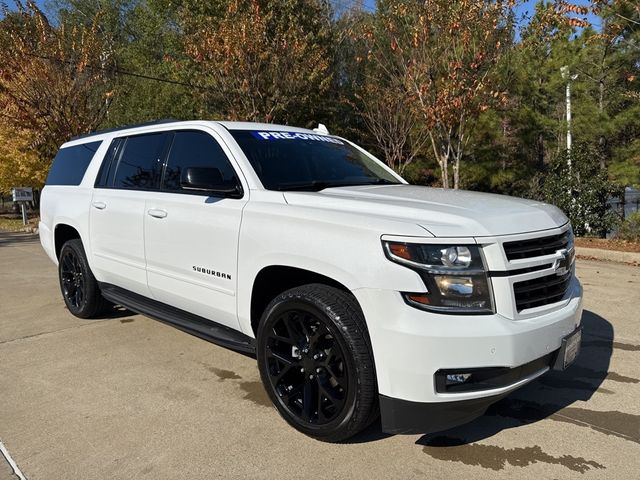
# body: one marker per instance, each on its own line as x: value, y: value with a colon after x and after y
x: 564, y: 71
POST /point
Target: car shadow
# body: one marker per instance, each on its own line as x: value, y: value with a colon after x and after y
x: 370, y: 434
x: 17, y: 238
x: 547, y: 395
x: 114, y: 312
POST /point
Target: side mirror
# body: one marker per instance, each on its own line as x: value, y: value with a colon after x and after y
x: 206, y: 179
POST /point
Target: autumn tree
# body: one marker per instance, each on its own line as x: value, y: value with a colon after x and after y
x: 54, y: 80
x: 262, y: 61
x: 397, y: 130
x: 443, y: 53
x: 379, y: 96
x: 19, y: 163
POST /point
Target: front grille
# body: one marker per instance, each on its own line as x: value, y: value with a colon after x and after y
x: 536, y: 247
x: 541, y: 291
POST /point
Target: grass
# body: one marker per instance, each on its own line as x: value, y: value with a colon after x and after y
x: 9, y: 224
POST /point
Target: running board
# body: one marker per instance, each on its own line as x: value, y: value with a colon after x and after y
x: 185, y: 321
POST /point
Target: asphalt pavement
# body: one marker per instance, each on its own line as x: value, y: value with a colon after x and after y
x: 127, y: 397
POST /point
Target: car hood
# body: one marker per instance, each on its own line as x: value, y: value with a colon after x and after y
x: 443, y: 212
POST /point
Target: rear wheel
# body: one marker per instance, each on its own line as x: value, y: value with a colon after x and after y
x: 79, y: 287
x: 316, y: 363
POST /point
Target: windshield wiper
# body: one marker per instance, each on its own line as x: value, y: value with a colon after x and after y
x: 317, y: 185
x: 378, y: 181
x: 308, y: 186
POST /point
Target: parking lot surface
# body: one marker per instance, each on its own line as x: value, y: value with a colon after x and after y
x: 128, y: 397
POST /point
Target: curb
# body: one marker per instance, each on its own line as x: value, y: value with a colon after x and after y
x: 609, y: 255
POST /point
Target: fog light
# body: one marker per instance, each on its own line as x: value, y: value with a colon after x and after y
x: 458, y: 378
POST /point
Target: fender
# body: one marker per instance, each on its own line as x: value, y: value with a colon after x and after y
x: 70, y: 223
x: 245, y: 287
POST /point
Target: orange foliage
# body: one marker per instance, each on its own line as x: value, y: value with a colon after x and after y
x: 49, y: 84
x: 443, y: 53
x: 259, y: 63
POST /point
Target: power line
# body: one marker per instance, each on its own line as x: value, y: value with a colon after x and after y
x: 120, y: 72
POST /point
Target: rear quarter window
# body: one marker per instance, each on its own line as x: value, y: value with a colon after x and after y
x: 70, y: 164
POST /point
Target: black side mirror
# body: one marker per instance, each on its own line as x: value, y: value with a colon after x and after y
x: 206, y: 179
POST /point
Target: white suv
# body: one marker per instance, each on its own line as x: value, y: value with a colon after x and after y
x: 359, y: 294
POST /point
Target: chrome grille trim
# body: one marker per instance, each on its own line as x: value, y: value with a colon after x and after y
x: 536, y: 247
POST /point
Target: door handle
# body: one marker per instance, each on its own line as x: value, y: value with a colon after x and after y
x: 99, y: 205
x: 157, y: 213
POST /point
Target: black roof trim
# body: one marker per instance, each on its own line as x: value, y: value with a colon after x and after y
x: 126, y: 127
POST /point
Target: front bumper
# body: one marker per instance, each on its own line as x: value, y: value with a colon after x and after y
x: 403, y: 416
x: 410, y: 346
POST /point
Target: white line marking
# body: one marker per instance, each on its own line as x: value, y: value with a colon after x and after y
x: 12, y: 463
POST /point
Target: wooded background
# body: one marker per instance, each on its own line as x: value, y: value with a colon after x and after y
x: 453, y: 93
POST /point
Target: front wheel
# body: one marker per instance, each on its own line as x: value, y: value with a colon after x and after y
x: 316, y: 364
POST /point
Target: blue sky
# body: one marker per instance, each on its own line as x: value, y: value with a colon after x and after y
x: 524, y: 11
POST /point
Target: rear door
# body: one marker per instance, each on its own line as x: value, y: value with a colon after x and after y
x: 130, y: 171
x: 191, y: 237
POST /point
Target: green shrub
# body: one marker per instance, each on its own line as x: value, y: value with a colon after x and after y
x: 630, y: 229
x: 581, y: 191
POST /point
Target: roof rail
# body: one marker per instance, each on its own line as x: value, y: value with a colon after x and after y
x: 126, y: 127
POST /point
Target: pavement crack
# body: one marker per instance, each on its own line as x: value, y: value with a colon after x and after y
x: 595, y: 427
x: 53, y: 332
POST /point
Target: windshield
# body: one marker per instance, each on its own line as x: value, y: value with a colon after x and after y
x: 301, y: 161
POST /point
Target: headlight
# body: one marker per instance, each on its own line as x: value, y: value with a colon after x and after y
x: 455, y: 276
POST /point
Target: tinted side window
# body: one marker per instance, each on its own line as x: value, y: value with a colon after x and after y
x: 195, y: 149
x: 70, y: 164
x: 109, y: 163
x: 140, y: 162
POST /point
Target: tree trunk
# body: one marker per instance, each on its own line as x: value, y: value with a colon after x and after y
x: 540, y: 152
x: 444, y: 168
x: 456, y: 173
x: 443, y: 161
x: 601, y: 109
x: 601, y: 95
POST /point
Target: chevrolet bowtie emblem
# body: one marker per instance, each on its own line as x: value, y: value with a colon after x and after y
x: 562, y: 265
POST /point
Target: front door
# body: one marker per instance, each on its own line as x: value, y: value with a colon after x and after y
x: 191, y: 237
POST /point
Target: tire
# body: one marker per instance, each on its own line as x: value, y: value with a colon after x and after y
x: 316, y: 362
x: 79, y: 287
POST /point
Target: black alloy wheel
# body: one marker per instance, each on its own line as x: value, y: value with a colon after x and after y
x: 72, y: 276
x: 307, y: 366
x: 80, y: 290
x: 316, y: 364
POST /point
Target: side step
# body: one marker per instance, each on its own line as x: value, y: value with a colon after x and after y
x: 188, y: 322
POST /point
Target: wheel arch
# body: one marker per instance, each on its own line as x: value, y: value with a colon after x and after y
x: 62, y: 233
x: 272, y: 280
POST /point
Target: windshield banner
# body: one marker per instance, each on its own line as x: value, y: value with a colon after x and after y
x: 294, y: 136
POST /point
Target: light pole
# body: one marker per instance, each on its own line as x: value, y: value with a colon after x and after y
x: 564, y: 71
